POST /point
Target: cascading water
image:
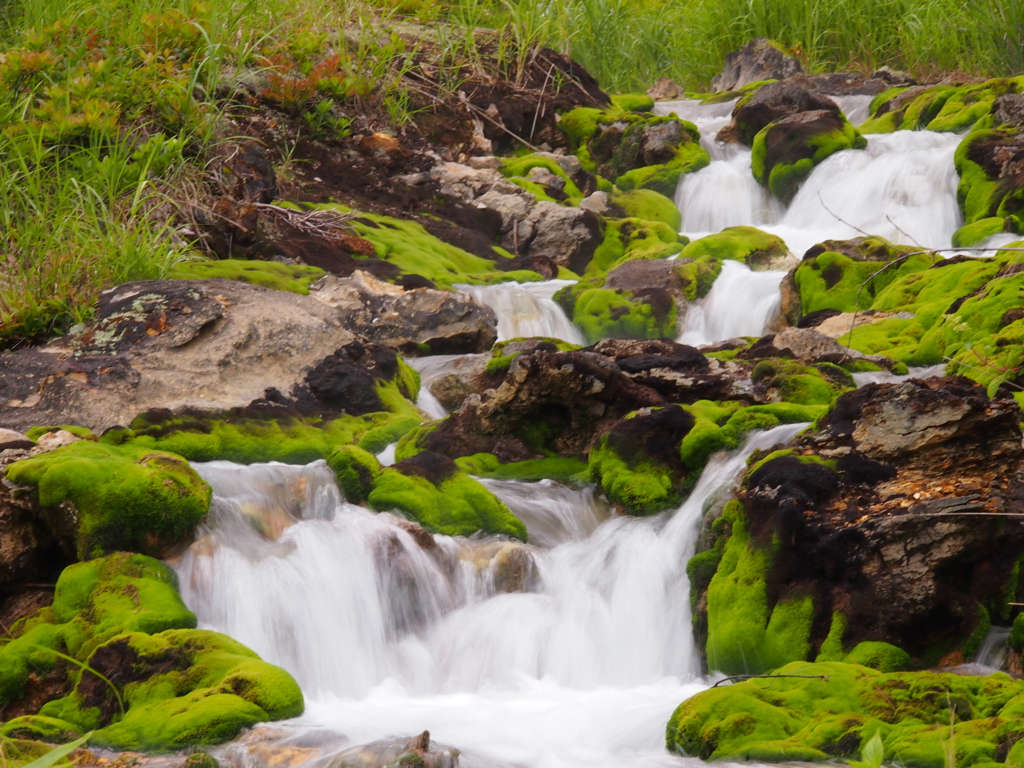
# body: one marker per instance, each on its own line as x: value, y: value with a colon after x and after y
x: 527, y: 309
x: 902, y: 187
x: 578, y: 662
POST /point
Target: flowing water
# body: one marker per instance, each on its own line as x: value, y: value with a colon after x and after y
x: 576, y: 658
x: 902, y: 187
x: 527, y: 309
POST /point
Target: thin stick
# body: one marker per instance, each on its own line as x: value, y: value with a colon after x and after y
x: 754, y: 677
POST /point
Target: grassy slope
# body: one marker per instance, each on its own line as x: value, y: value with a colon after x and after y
x: 108, y: 108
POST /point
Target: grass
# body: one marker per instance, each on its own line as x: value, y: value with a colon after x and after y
x: 110, y: 108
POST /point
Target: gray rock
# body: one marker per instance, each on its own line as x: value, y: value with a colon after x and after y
x: 809, y: 345
x: 416, y: 322
x: 666, y: 89
x: 13, y: 440
x: 758, y: 60
x: 567, y: 236
x: 174, y: 344
x: 601, y: 204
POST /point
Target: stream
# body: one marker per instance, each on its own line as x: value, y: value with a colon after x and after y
x: 575, y: 649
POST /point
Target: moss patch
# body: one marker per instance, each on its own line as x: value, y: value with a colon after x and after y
x: 295, y: 278
x: 749, y: 245
x: 835, y: 712
x: 126, y: 497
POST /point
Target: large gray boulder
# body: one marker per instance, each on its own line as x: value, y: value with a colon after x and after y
x: 760, y: 59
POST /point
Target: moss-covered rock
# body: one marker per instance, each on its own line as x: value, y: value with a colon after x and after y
x: 648, y: 205
x: 142, y: 677
x: 982, y: 229
x: 792, y: 382
x: 635, y: 149
x: 634, y: 238
x: 295, y: 278
x: 378, y: 396
x: 433, y: 491
x: 610, y: 313
x: 785, y: 152
x: 757, y: 249
x: 356, y: 470
x: 834, y: 708
x: 938, y: 107
x: 570, y: 471
x: 120, y: 497
x: 988, y: 162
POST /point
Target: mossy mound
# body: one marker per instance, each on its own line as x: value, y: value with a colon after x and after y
x: 356, y: 470
x: 648, y: 205
x: 634, y: 149
x: 982, y: 229
x: 433, y: 491
x: 121, y: 618
x: 837, y: 708
x: 750, y: 245
x: 124, y: 497
x: 938, y: 108
x: 785, y: 152
x: 295, y: 278
x: 603, y: 313
x: 635, y: 238
x: 789, y: 381
x: 504, y: 352
x: 19, y: 752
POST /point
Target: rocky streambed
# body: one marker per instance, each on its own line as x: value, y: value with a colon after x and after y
x: 522, y: 453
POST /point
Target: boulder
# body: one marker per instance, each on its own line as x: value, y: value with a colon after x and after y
x: 759, y: 59
x: 991, y: 167
x: 665, y: 89
x: 464, y: 376
x: 886, y: 523
x: 771, y: 103
x: 811, y: 345
x: 567, y: 236
x: 169, y: 344
x: 413, y: 322
x: 787, y: 150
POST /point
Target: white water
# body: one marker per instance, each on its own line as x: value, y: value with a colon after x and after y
x: 527, y: 309
x: 429, y: 369
x: 740, y: 303
x: 902, y: 187
x: 389, y: 639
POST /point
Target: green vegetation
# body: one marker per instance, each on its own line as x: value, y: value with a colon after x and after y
x: 187, y: 687
x: 124, y: 497
x: 455, y: 505
x: 295, y: 278
x: 838, y: 708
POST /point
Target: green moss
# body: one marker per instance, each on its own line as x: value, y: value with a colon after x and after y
x: 798, y: 157
x: 180, y: 686
x: 633, y: 102
x: 832, y: 646
x: 1016, y: 639
x: 603, y: 313
x: 737, y: 601
x: 36, y: 432
x: 642, y: 487
x: 356, y: 470
x: 20, y: 752
x: 456, y: 506
x: 664, y: 178
x: 248, y: 439
x: 977, y: 636
x: 979, y: 195
x: 126, y: 497
x: 978, y: 232
x: 571, y: 471
x: 628, y: 239
x: 794, y: 382
x: 518, y: 169
x: 411, y: 248
x: 788, y: 634
x: 295, y: 278
x: 648, y: 205
x: 884, y: 657
x: 837, y: 707
x: 749, y: 245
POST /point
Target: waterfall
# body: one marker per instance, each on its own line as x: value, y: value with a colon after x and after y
x: 527, y: 309
x: 740, y: 303
x: 390, y: 633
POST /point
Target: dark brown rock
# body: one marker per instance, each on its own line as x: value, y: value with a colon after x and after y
x: 774, y: 102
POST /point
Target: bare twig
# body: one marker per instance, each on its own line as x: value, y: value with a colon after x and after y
x: 326, y: 223
x: 753, y: 677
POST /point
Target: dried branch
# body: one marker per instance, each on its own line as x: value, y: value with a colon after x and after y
x: 326, y: 223
x: 753, y: 677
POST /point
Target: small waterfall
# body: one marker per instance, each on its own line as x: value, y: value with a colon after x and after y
x: 902, y: 187
x: 725, y: 194
x: 429, y: 369
x: 527, y: 310
x: 390, y: 632
x: 992, y: 653
x: 741, y: 302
